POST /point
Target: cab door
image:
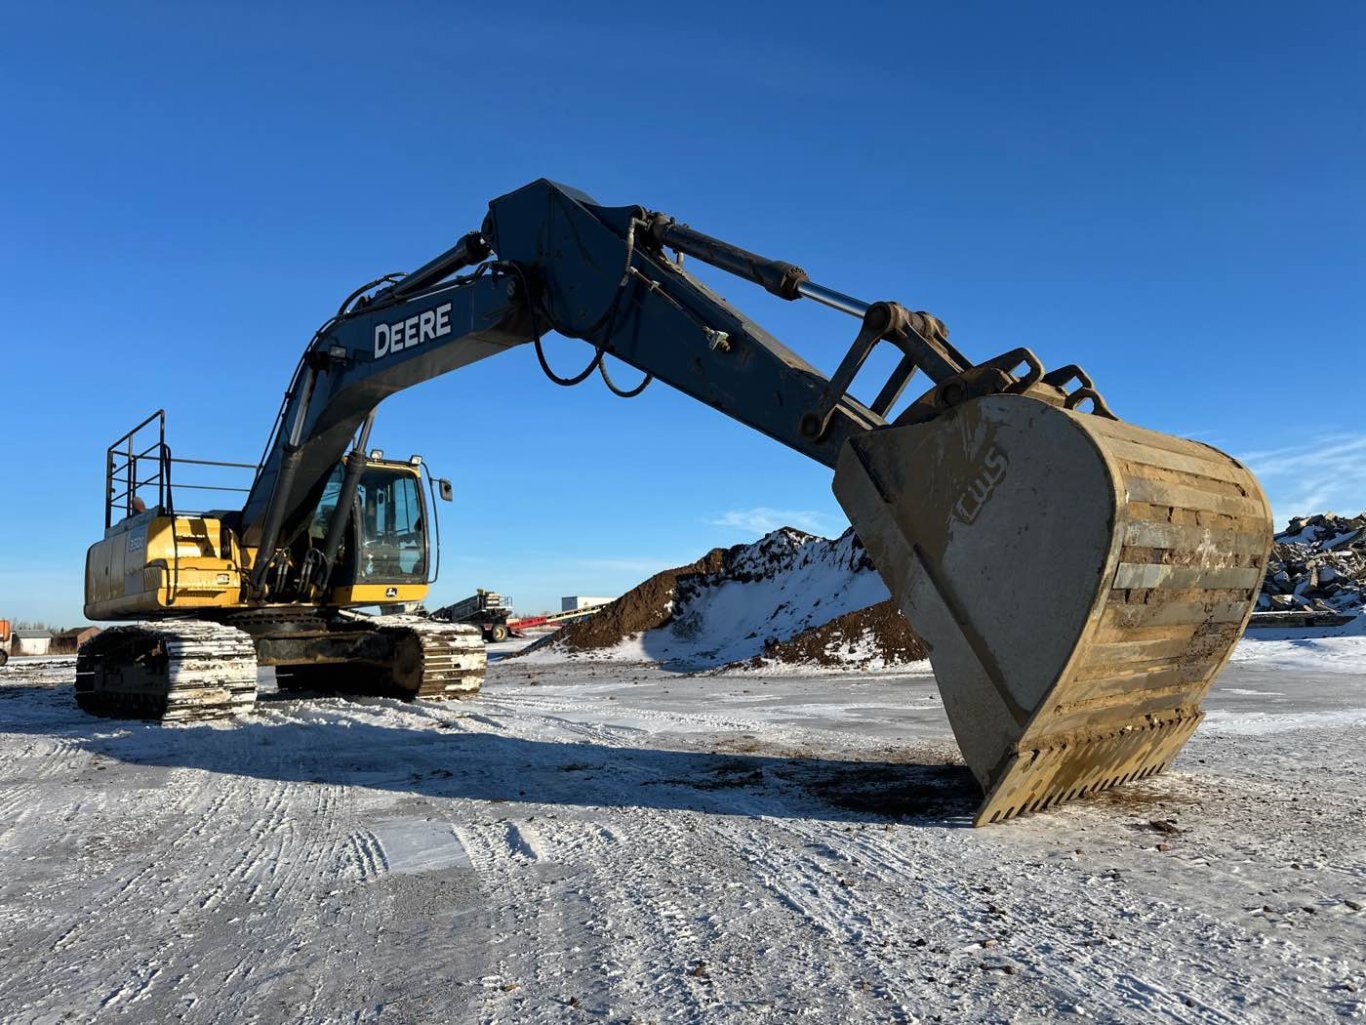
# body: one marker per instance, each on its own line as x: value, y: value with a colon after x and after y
x: 390, y: 543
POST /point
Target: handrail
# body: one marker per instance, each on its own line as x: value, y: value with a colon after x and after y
x: 123, y: 471
x: 126, y: 472
x: 212, y: 487
x: 217, y: 462
x: 160, y: 413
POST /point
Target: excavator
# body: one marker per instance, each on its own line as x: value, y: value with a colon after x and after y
x: 1078, y: 581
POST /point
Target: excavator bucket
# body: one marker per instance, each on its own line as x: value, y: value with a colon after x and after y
x: 1077, y: 580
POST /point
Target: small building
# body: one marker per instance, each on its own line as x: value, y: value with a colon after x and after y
x: 31, y: 642
x: 68, y: 642
x: 574, y: 602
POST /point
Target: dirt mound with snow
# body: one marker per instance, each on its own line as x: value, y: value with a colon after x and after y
x: 646, y: 606
x: 1317, y: 564
x: 738, y: 603
x: 877, y: 637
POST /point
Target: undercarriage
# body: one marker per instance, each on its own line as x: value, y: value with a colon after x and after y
x: 197, y: 669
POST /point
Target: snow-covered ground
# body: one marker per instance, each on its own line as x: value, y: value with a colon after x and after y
x: 615, y: 843
x: 1329, y: 649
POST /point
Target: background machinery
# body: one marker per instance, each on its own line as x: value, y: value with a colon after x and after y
x: 492, y: 613
x: 1079, y: 581
x: 488, y: 610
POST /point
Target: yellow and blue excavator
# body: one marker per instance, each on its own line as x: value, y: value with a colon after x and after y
x: 1078, y: 581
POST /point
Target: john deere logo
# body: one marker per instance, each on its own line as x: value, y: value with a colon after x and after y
x: 391, y: 592
x: 405, y: 334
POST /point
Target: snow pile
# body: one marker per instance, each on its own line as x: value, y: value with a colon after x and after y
x: 749, y: 601
x: 1318, y: 564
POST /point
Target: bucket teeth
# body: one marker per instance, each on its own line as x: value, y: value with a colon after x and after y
x: 1070, y: 767
x: 1078, y: 582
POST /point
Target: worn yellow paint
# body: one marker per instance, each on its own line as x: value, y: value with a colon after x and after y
x: 377, y: 594
x: 152, y: 564
x: 1078, y: 581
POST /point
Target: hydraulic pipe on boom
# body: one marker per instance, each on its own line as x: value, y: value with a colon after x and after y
x: 341, y: 512
x: 289, y: 467
x: 786, y: 280
x: 835, y: 300
x: 466, y: 253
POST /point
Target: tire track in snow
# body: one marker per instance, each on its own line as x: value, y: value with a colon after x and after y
x: 813, y: 891
x: 94, y: 926
x: 226, y: 844
x: 841, y: 927
x: 597, y: 895
x: 44, y: 761
x: 653, y: 940
x: 1148, y: 993
x: 365, y: 860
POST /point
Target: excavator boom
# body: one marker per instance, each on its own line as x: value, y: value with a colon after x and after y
x: 1078, y: 581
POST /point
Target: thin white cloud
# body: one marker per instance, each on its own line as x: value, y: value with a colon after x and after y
x: 762, y: 519
x: 1325, y: 474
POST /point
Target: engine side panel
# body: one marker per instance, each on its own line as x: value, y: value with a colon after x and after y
x: 153, y: 564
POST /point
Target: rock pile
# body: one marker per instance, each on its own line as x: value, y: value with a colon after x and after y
x: 796, y: 599
x: 1317, y: 564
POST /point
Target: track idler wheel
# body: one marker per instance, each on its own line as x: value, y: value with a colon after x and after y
x: 1078, y: 582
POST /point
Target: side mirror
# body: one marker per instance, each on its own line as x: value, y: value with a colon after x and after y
x: 444, y: 489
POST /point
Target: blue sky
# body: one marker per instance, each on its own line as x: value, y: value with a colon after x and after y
x: 1171, y: 194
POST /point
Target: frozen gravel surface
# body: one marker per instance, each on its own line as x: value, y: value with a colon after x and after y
x: 613, y: 843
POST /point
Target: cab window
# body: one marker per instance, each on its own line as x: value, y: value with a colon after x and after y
x: 327, y: 505
x: 393, y: 542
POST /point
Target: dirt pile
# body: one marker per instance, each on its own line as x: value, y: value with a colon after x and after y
x: 1317, y: 564
x: 734, y: 604
x: 872, y: 638
x: 646, y: 606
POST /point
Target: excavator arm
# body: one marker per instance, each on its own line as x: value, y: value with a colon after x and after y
x: 1078, y: 581
x: 550, y: 259
x: 563, y: 264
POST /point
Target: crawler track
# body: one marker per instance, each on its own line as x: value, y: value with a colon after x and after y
x: 173, y: 671
x: 414, y: 659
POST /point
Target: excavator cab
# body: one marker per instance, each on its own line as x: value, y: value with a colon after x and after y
x: 388, y: 556
x: 159, y: 560
x: 206, y: 627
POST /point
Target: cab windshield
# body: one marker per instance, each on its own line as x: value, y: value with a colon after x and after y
x: 393, y: 542
x: 388, y: 510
